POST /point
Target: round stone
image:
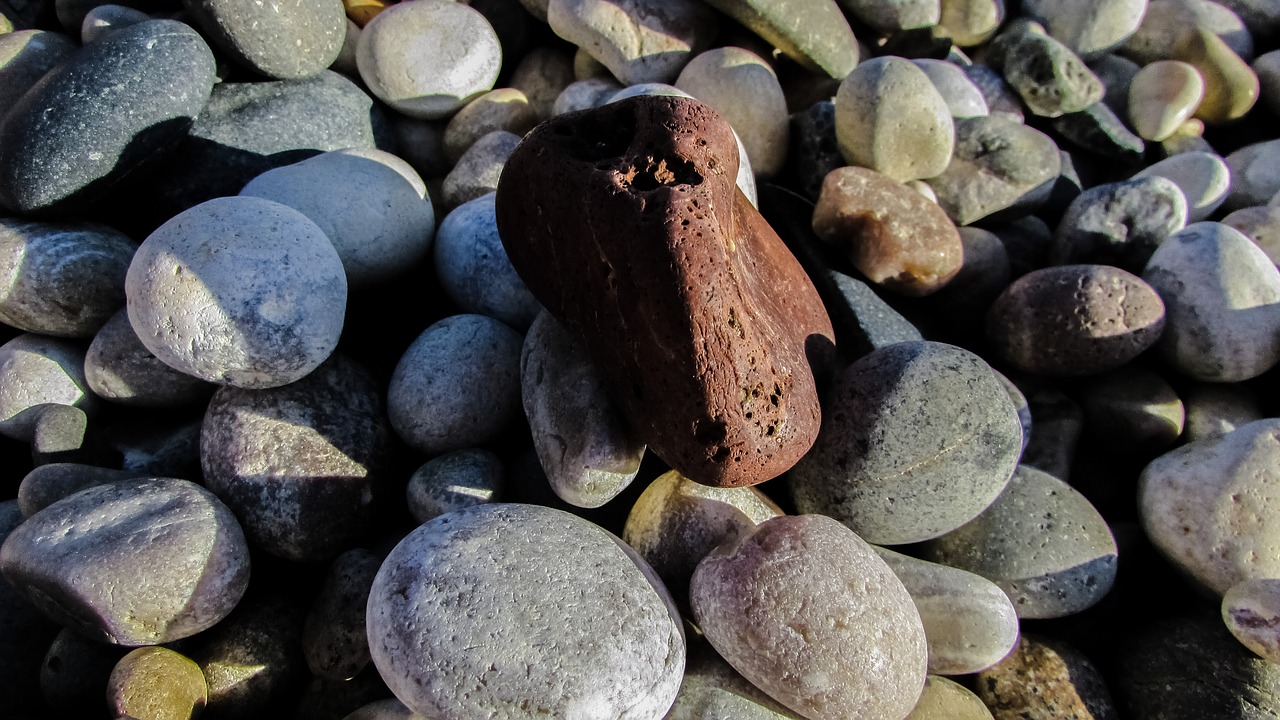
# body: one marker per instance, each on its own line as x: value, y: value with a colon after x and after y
x: 453, y: 481
x: 918, y: 438
x: 1203, y: 178
x: 119, y: 368
x: 427, y: 58
x: 479, y: 168
x: 34, y: 371
x: 1133, y: 408
x: 239, y: 291
x: 639, y: 41
x: 1215, y: 409
x: 333, y: 635
x: 843, y: 638
x: 1089, y: 28
x: 1230, y: 86
x: 1261, y: 224
x: 474, y: 270
x: 962, y: 96
x: 500, y: 610
x: 970, y: 22
x: 285, y: 40
x: 1255, y: 174
x: 1251, y: 610
x: 999, y: 165
x: 542, y: 75
x: 1162, y: 96
x: 156, y: 683
x: 102, y: 19
x: 502, y: 109
x: 135, y: 562
x: 1119, y: 223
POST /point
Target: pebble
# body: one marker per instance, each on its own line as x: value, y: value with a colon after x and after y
x: 970, y: 22
x: 1162, y: 96
x: 1001, y: 99
x: 1255, y: 179
x: 457, y: 385
x: 263, y: 634
x: 453, y: 481
x: 1088, y: 29
x: 713, y: 690
x: 105, y: 18
x: 1045, y: 679
x: 541, y: 76
x: 158, y: 684
x: 1203, y: 177
x: 207, y: 297
x: 49, y: 483
x: 75, y: 671
x: 584, y: 95
x: 499, y: 610
x: 741, y: 408
x: 1058, y: 425
x: 1048, y: 76
x: 62, y: 434
x: 944, y: 699
x: 1120, y: 223
x: 62, y: 279
x: 587, y: 451
x: 998, y: 164
x: 473, y: 269
x: 479, y: 169
x: 25, y: 57
x: 282, y: 40
x: 962, y: 96
x: 36, y: 370
x: 426, y: 59
x: 1266, y: 66
x: 814, y: 33
x: 744, y: 90
x: 1222, y: 303
x: 893, y: 235
x: 101, y: 113
x: 863, y: 321
x: 1167, y: 23
x: 1041, y: 541
x: 899, y: 468
x: 1116, y: 73
x: 969, y: 623
x: 640, y: 41
x: 1261, y: 224
x: 502, y: 109
x: 300, y: 465
x: 1230, y: 86
x: 1215, y: 409
x: 333, y: 635
x: 890, y: 118
x: 134, y: 562
x: 1259, y: 16
x: 1099, y: 131
x: 1208, y: 506
x: 388, y: 709
x: 375, y: 217
x: 845, y: 639
x: 1251, y: 611
x: 814, y: 151
x: 1133, y: 408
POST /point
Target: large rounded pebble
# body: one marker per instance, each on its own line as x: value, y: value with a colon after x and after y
x: 585, y: 94
x: 501, y: 610
x: 890, y: 118
x: 479, y: 168
x: 457, y: 385
x: 944, y: 699
x: 1050, y: 78
x: 1230, y: 86
x: 1045, y: 679
x: 1075, y: 320
x: 136, y: 562
x: 156, y: 683
x: 1041, y: 542
x: 61, y: 279
x: 1088, y: 28
x: 1210, y: 506
x: 1255, y: 174
x: 100, y: 114
x: 453, y: 481
x: 998, y: 164
x: 25, y: 56
x: 36, y: 370
x: 333, y: 635
x: 473, y: 267
x: 284, y: 40
x: 1120, y: 223
x: 119, y: 368
x: 584, y: 444
x: 744, y: 89
x: 640, y: 41
x: 427, y: 58
x: 892, y: 234
x: 541, y: 76
x: 962, y: 96
x: 1170, y: 22
x: 676, y: 522
x: 1222, y: 303
x: 843, y: 638
x: 300, y: 465
x: 47, y: 484
x: 376, y: 218
x: 208, y: 295
x: 1203, y: 177
x: 969, y: 623
x: 814, y: 33
x: 1162, y: 96
x: 713, y: 690
x: 502, y: 109
x: 890, y: 16
x: 917, y: 438
x: 1261, y: 224
x: 1251, y: 610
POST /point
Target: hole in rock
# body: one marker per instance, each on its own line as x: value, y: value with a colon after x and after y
x: 595, y: 141
x: 659, y: 172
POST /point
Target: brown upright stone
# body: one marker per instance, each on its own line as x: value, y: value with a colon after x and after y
x: 625, y: 222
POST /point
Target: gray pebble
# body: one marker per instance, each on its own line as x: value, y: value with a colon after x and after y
x: 502, y: 109
x: 479, y: 168
x: 1203, y: 178
x: 1119, y: 223
x: 49, y: 483
x: 640, y: 41
x: 25, y: 56
x: 119, y: 368
x: 962, y: 96
x: 585, y: 94
x: 890, y: 16
x: 264, y: 633
x: 1088, y: 28
x: 62, y: 434
x: 1099, y: 131
x: 103, y: 19
x: 1116, y: 73
x: 283, y: 40
x: 998, y: 164
x: 453, y: 481
x: 1261, y: 224
x: 333, y: 635
x: 1001, y: 99
x: 474, y: 270
x: 1255, y: 174
x: 36, y: 370
x: 1050, y: 78
x: 543, y: 74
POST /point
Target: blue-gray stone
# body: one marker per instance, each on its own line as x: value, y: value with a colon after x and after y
x: 284, y: 39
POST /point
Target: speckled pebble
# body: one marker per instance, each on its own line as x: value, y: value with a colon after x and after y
x: 35, y: 370
x: 998, y: 165
x: 284, y: 40
x: 502, y: 109
x: 1120, y: 223
x: 453, y: 481
x: 474, y: 270
x: 479, y: 168
x: 156, y: 683
x: 1048, y: 76
x: 1046, y: 679
x: 333, y: 635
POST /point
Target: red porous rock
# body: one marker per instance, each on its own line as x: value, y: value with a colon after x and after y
x: 625, y: 222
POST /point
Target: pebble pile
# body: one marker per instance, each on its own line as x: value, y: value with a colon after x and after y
x: 640, y: 359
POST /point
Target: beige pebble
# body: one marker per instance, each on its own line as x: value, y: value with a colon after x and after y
x: 1261, y: 224
x: 1203, y: 178
x: 1251, y: 610
x: 970, y: 22
x: 1230, y: 86
x: 638, y: 40
x: 945, y: 699
x: 744, y: 89
x: 542, y: 75
x: 1162, y: 96
x: 502, y: 109
x: 156, y: 683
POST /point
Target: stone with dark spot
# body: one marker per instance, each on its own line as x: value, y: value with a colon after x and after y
x: 1050, y: 78
x: 625, y: 223
x: 998, y: 164
x: 1251, y: 610
x: 1119, y: 223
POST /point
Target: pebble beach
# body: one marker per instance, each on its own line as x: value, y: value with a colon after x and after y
x: 640, y: 359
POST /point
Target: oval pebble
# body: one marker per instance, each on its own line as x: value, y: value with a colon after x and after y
x: 1255, y: 174
x: 1162, y: 96
x: 333, y: 635
x: 944, y: 699
x: 119, y: 368
x: 1203, y: 177
x: 640, y: 41
x: 962, y: 96
x: 917, y: 439
x: 210, y: 297
x: 1088, y: 28
x: 474, y: 270
x: 1119, y: 223
x: 283, y: 40
x: 453, y: 481
x: 135, y: 562
x: 585, y: 94
x: 502, y: 109
x: 844, y: 639
x: 25, y: 56
x: 1050, y: 78
x: 1045, y: 679
x: 104, y: 18
x: 49, y: 483
x: 970, y: 22
x: 1261, y: 224
x: 1251, y: 610
x: 158, y: 684
x: 34, y: 371
x: 713, y: 690
x: 479, y: 168
x: 457, y: 385
x: 1230, y: 86
x: 501, y: 610
x: 998, y: 165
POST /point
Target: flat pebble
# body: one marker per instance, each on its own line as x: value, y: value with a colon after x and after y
x: 1204, y: 178
x: 1087, y: 28
x: 845, y: 639
x: 479, y: 168
x: 35, y: 370
x: 62, y: 279
x: 1045, y: 679
x: 1120, y: 223
x: 962, y: 96
x: 136, y: 562
x: 1048, y: 76
x: 474, y: 270
x: 208, y: 297
x: 744, y: 89
x: 584, y: 444
x: 998, y: 163
x: 1222, y: 303
x: 453, y: 481
x: 897, y: 468
x: 558, y: 615
x: 282, y: 40
x: 47, y: 484
x: 585, y: 94
x: 300, y: 465
x: 426, y: 59
x: 25, y: 57
x: 640, y: 41
x: 367, y: 202
x: 814, y: 33
x: 333, y: 635
x: 156, y: 683
x: 1041, y: 541
x: 890, y: 118
x: 1162, y: 96
x: 1255, y: 174
x: 457, y: 385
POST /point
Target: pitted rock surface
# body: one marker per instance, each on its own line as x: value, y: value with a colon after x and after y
x: 702, y: 321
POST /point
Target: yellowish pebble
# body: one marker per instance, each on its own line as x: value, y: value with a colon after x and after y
x: 1162, y: 96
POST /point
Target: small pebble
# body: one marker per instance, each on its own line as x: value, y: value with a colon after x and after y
x: 474, y: 270
x: 156, y: 683
x: 35, y: 370
x: 962, y: 96
x: 1045, y: 679
x: 333, y: 635
x: 1255, y: 174
x: 998, y: 164
x: 479, y: 168
x: 585, y: 94
x: 119, y: 368
x: 1048, y: 76
x: 890, y: 16
x: 970, y: 22
x: 1162, y: 96
x: 1261, y: 224
x: 1267, y: 68
x: 1203, y: 177
x: 453, y: 481
x: 543, y: 73
x: 640, y: 41
x: 1099, y: 131
x: 502, y: 109
x: 944, y: 699
x: 1087, y: 28
x: 1119, y: 224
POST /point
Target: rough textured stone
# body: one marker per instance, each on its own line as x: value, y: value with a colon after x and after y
x: 119, y: 368
x: 1120, y: 223
x: 640, y: 41
x: 1203, y: 178
x: 333, y: 635
x: 718, y: 384
x: 453, y: 481
x: 844, y: 638
x: 35, y: 370
x: 135, y: 562
x: 156, y: 683
x: 1045, y: 679
x: 1050, y: 78
x: 713, y: 690
x: 473, y: 268
x: 559, y: 617
x: 997, y: 163
x: 1099, y: 131
x: 285, y: 40
x: 893, y: 235
x: 891, y: 16
x: 918, y: 439
x: 814, y: 33
x: 1251, y: 611
x: 1088, y: 28
x: 25, y: 57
